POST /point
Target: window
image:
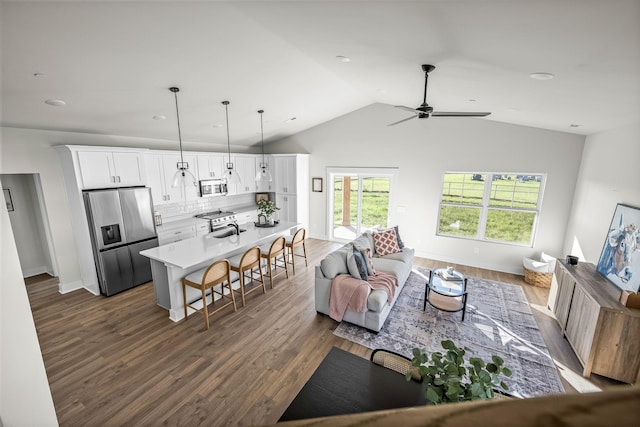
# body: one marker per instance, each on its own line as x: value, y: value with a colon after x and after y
x: 490, y: 206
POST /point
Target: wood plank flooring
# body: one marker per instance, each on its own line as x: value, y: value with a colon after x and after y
x: 121, y: 361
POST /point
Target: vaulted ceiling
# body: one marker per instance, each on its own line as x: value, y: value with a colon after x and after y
x: 113, y: 62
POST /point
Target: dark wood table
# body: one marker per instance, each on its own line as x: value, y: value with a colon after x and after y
x: 347, y: 384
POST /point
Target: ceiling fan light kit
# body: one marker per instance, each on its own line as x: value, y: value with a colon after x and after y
x: 182, y: 175
x: 263, y: 174
x: 230, y: 173
x: 424, y: 111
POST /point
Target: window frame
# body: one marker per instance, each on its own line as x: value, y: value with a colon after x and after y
x: 485, y: 207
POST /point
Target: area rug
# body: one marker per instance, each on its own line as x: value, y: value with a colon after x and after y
x: 498, y: 321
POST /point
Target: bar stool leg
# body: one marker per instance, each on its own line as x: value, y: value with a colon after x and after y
x: 184, y: 298
x: 205, y: 310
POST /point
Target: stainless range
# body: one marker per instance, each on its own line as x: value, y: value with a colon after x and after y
x: 220, y: 219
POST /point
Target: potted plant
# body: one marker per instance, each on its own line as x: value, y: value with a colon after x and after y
x: 449, y: 378
x: 266, y: 209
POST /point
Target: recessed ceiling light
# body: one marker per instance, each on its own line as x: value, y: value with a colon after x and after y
x: 472, y: 100
x: 573, y: 125
x: 159, y: 117
x: 55, y: 102
x: 343, y: 58
x: 541, y: 76
x: 38, y: 75
x: 290, y: 120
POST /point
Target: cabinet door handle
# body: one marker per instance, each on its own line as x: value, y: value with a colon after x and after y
x: 118, y: 178
x: 113, y: 178
x: 178, y: 232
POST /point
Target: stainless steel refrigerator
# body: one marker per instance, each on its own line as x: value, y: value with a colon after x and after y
x: 121, y: 225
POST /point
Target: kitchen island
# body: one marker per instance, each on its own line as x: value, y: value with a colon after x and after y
x: 170, y: 263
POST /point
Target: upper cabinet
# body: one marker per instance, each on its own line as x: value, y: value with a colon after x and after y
x: 285, y: 174
x: 102, y: 169
x: 246, y: 167
x: 161, y: 170
x: 210, y: 166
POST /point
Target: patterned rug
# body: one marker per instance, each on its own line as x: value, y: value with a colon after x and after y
x: 497, y: 321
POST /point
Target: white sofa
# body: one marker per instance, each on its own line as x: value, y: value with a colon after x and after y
x: 399, y: 264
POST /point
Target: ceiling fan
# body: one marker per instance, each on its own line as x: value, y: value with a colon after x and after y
x: 424, y: 111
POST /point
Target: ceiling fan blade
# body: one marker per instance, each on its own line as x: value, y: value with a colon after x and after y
x: 403, y: 120
x: 402, y: 107
x: 458, y: 114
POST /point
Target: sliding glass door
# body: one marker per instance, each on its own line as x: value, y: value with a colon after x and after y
x: 360, y: 200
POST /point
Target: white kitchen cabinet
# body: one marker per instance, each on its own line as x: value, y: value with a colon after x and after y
x: 291, y: 176
x: 103, y: 169
x: 288, y: 207
x: 265, y: 186
x: 210, y: 166
x: 285, y: 174
x: 161, y: 169
x: 171, y: 234
x: 246, y: 167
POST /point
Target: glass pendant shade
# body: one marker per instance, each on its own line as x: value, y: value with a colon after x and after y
x: 263, y: 174
x: 183, y: 176
x: 230, y: 173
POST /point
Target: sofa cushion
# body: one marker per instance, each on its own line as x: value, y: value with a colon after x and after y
x: 367, y: 235
x: 363, y: 242
x: 405, y: 255
x: 376, y: 300
x: 389, y: 266
x: 335, y: 263
x: 386, y: 242
x: 357, y: 265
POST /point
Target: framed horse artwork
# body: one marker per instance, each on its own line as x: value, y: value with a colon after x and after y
x: 620, y: 258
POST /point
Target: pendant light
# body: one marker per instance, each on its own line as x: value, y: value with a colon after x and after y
x: 183, y: 176
x: 263, y: 174
x: 231, y: 174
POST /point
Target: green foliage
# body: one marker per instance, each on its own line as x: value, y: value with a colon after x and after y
x: 449, y: 379
x: 266, y: 208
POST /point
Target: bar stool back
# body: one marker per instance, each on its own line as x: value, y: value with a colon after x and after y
x: 215, y: 277
x: 292, y: 242
x: 276, y: 259
x: 247, y: 266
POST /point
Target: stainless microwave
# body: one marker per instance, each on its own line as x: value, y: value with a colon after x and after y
x: 213, y: 187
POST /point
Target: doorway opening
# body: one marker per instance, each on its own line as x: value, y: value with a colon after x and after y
x: 360, y: 199
x: 24, y: 199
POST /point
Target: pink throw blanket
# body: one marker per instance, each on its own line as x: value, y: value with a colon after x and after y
x: 349, y: 293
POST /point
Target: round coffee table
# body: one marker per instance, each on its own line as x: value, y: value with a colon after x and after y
x: 446, y: 292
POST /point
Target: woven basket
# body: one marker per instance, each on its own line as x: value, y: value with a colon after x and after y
x: 535, y: 278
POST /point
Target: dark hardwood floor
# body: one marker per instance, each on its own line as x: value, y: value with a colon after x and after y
x: 121, y: 361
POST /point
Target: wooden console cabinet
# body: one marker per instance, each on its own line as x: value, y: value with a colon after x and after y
x: 604, y: 334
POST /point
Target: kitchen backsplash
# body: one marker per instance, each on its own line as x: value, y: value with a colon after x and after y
x: 173, y: 211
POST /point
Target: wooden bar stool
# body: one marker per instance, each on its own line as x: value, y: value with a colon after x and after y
x: 216, y: 277
x: 249, y: 262
x: 296, y: 240
x: 276, y: 259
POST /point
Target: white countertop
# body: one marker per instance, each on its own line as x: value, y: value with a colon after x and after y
x: 186, y: 221
x: 191, y: 252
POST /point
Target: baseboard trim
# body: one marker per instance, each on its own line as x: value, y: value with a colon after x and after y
x: 67, y: 287
x: 486, y: 266
x: 30, y: 272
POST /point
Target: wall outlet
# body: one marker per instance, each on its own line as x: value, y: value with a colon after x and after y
x: 476, y: 250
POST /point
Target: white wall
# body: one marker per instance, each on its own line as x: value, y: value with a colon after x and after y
x: 609, y: 174
x: 27, y: 225
x: 25, y: 397
x: 423, y: 150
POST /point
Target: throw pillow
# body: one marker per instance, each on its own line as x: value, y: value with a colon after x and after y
x: 361, y: 264
x: 352, y: 264
x: 386, y: 242
x: 395, y: 227
x: 366, y: 253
